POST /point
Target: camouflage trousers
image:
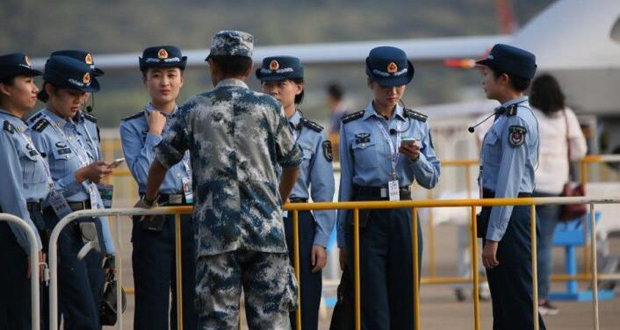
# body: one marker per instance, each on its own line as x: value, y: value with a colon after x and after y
x: 268, y: 283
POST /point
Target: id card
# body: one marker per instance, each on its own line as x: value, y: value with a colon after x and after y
x: 187, y: 189
x: 284, y: 214
x: 58, y: 202
x: 394, y: 190
x: 92, y: 193
x: 106, y: 191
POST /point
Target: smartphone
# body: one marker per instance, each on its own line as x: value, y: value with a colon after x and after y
x: 117, y: 162
x: 408, y: 140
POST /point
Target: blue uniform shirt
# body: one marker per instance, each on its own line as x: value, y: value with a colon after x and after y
x: 508, y: 160
x: 25, y: 173
x: 60, y: 150
x: 138, y: 148
x: 87, y: 128
x: 315, y: 173
x: 366, y: 159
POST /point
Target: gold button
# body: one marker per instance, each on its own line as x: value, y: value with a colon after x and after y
x: 178, y: 175
x: 69, y: 138
x: 67, y: 156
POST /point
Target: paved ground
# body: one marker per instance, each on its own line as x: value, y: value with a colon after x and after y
x: 439, y: 309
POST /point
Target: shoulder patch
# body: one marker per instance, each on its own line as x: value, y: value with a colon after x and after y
x: 34, y: 117
x: 40, y: 125
x: 415, y: 115
x: 516, y: 135
x: 137, y: 115
x: 328, y: 151
x: 511, y: 111
x: 353, y: 116
x: 90, y: 118
x: 312, y: 125
x: 7, y: 126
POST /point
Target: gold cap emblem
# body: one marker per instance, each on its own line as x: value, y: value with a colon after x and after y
x: 274, y: 65
x: 162, y: 54
x: 392, y: 67
x: 27, y: 60
x: 86, y: 78
x: 89, y: 59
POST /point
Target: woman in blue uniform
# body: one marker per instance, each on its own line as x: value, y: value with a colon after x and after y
x: 383, y: 150
x: 75, y: 175
x: 25, y: 187
x: 282, y: 77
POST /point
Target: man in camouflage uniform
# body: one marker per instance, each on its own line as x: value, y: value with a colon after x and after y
x: 236, y: 138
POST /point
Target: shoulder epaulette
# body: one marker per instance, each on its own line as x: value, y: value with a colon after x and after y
x: 90, y: 118
x: 137, y: 115
x: 8, y: 127
x: 312, y: 125
x: 34, y: 117
x: 512, y: 110
x: 40, y: 125
x: 415, y: 115
x: 353, y: 116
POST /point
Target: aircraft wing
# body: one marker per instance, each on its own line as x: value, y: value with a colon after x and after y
x: 431, y: 50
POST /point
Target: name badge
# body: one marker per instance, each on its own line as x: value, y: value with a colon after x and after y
x: 58, y: 202
x: 187, y: 189
x: 394, y: 190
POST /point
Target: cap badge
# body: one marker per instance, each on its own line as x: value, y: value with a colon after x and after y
x: 274, y: 65
x: 27, y: 60
x: 162, y: 54
x: 86, y: 78
x: 392, y: 67
x: 89, y: 59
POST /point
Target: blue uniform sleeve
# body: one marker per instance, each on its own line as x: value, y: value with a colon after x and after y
x: 346, y: 184
x: 511, y: 170
x: 322, y: 190
x: 12, y: 199
x: 138, y: 156
x: 426, y: 169
x: 171, y: 150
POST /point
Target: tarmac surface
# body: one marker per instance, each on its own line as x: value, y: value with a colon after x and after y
x: 438, y: 306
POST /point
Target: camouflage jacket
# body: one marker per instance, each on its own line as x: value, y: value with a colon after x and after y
x: 236, y: 137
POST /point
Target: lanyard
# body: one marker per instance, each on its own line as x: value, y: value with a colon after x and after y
x: 39, y: 158
x: 188, y: 169
x: 90, y: 138
x: 393, y: 149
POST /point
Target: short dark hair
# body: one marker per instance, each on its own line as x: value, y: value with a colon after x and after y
x: 9, y: 81
x: 334, y: 90
x: 517, y: 83
x: 547, y: 95
x: 232, y: 66
x: 299, y: 98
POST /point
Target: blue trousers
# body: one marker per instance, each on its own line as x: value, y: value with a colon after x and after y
x: 311, y: 283
x: 548, y: 217
x: 386, y: 268
x: 154, y: 273
x: 511, y: 281
x: 14, y: 284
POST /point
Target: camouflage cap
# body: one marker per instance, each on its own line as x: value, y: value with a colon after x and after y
x: 231, y: 43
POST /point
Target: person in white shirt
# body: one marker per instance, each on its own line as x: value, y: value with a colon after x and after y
x: 560, y: 138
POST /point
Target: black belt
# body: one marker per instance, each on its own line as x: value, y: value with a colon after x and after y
x: 488, y: 193
x: 171, y: 199
x: 78, y: 206
x: 34, y: 206
x: 380, y: 192
x: 297, y: 200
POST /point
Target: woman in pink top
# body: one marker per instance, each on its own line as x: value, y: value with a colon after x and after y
x: 560, y: 138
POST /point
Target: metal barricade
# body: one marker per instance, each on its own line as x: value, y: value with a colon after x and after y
x: 35, y: 304
x: 472, y: 203
x: 53, y: 254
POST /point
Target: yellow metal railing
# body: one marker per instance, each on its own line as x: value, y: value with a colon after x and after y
x: 472, y: 203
